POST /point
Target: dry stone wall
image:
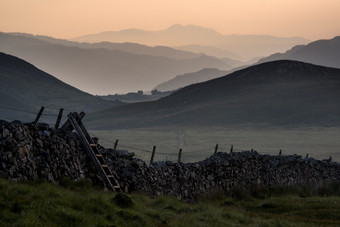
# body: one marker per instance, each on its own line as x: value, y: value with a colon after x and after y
x: 28, y: 153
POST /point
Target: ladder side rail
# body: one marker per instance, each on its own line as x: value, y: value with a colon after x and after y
x: 96, y: 151
x: 90, y: 152
x: 85, y: 132
x: 67, y: 126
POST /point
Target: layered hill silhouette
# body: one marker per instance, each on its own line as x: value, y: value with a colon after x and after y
x: 190, y: 78
x: 24, y: 89
x: 209, y: 50
x: 133, y: 48
x: 245, y: 46
x: 321, y: 52
x: 279, y: 93
x: 103, y: 71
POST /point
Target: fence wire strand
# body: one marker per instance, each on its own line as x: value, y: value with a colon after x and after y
x: 184, y: 152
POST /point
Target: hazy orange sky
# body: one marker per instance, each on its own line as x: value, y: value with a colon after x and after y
x: 312, y: 19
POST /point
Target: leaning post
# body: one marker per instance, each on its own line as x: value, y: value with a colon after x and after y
x: 216, y: 148
x: 153, y: 154
x: 38, y: 116
x: 179, y: 155
x: 116, y: 144
x: 59, y: 118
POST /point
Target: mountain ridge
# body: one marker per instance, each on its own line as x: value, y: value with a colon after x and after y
x: 246, y: 46
x: 279, y: 93
x: 134, y: 48
x: 190, y: 78
x: 102, y: 71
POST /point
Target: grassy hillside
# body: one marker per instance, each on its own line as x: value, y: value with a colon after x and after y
x: 25, y: 87
x: 280, y: 93
x: 78, y: 204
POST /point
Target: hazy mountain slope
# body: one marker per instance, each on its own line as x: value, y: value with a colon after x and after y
x: 280, y: 93
x: 101, y: 71
x: 25, y: 87
x: 245, y: 46
x: 175, y: 35
x: 190, y: 78
x: 321, y: 52
x: 134, y: 48
x: 209, y: 50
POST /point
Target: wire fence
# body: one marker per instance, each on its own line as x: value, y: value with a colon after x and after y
x: 187, y: 153
x: 47, y: 117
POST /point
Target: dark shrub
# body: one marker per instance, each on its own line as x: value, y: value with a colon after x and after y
x: 123, y: 201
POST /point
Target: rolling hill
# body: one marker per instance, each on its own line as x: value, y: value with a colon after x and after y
x: 279, y: 93
x: 133, y: 48
x: 190, y: 78
x: 244, y: 46
x: 320, y: 52
x: 25, y: 88
x: 102, y: 71
x: 209, y: 50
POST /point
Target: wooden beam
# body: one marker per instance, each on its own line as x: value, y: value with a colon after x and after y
x: 67, y: 126
x: 38, y: 116
x: 60, y: 115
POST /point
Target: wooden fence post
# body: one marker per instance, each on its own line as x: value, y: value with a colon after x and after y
x: 179, y: 155
x: 59, y: 118
x: 280, y: 152
x: 38, y: 116
x: 216, y: 148
x: 231, y: 149
x: 153, y: 154
x: 116, y: 144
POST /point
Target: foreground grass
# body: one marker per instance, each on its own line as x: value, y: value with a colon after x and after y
x: 79, y: 204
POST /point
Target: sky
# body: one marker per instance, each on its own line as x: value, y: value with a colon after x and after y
x: 311, y: 19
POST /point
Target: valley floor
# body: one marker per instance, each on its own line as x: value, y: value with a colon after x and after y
x: 199, y: 143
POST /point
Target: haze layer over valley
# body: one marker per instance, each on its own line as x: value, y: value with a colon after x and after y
x: 198, y: 39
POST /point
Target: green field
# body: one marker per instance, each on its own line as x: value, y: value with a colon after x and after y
x: 78, y: 204
x: 199, y: 143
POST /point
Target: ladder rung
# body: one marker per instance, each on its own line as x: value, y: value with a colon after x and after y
x: 110, y: 176
x: 99, y: 155
x: 117, y: 186
x: 93, y: 145
x: 105, y: 166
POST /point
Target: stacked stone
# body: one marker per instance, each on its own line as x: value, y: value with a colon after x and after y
x: 224, y: 173
x: 29, y: 152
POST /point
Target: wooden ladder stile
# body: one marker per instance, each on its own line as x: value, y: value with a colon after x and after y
x: 67, y: 126
x: 92, y: 150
